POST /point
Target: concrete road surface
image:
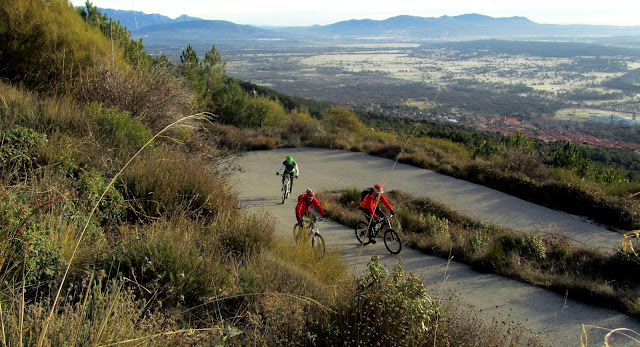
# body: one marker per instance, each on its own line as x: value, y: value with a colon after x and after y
x: 558, y: 318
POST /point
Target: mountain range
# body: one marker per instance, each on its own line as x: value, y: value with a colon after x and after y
x: 161, y: 34
x: 406, y: 28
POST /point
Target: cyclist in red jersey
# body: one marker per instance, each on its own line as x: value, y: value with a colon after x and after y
x: 305, y: 202
x: 369, y: 205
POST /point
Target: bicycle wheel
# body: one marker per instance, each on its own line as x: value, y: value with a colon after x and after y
x: 317, y: 243
x: 285, y: 191
x: 392, y: 241
x: 361, y: 232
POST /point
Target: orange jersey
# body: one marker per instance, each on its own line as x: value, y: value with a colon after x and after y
x: 369, y: 203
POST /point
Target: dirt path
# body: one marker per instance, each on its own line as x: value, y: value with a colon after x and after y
x: 556, y: 317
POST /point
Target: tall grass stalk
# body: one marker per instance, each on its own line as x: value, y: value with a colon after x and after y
x: 629, y: 333
x: 4, y: 337
x: 83, y: 307
x: 41, y: 338
x: 444, y: 280
x: 22, y: 305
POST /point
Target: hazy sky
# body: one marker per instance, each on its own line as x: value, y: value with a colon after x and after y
x: 304, y: 13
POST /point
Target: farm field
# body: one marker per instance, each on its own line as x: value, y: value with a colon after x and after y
x: 307, y: 73
x: 584, y: 114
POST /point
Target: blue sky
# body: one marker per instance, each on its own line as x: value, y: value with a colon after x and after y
x: 304, y: 13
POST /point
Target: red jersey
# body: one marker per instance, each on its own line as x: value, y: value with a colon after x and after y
x: 304, y: 206
x: 369, y: 203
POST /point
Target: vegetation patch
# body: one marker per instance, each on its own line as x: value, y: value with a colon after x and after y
x: 543, y: 259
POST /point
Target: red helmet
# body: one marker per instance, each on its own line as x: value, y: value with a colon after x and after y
x: 378, y: 188
x: 309, y: 194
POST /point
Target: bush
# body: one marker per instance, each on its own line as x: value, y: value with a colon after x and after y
x: 111, y: 208
x: 432, y: 225
x: 389, y: 151
x: 48, y: 46
x: 525, y: 245
x: 350, y: 196
x: 19, y: 150
x: 245, y: 236
x: 388, y: 309
x: 117, y: 130
x: 521, y: 163
x: 372, y: 138
x: 177, y: 261
x: 261, y: 143
x: 26, y: 250
x: 151, y: 96
x: 107, y: 314
x: 172, y: 184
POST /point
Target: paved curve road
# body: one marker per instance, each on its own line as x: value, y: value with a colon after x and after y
x: 556, y: 317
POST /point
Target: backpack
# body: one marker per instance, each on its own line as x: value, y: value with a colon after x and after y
x: 365, y: 192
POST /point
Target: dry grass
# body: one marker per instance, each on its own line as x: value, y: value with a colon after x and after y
x: 153, y: 191
x: 154, y: 96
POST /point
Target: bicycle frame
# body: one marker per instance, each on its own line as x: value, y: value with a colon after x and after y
x: 309, y: 231
x: 375, y: 230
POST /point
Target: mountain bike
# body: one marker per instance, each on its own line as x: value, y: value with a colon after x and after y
x: 391, y: 238
x: 309, y: 230
x: 286, y: 186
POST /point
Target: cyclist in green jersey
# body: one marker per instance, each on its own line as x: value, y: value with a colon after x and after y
x: 290, y: 168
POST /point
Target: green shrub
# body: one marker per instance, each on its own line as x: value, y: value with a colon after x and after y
x: 409, y: 219
x: 379, y: 137
x: 526, y: 245
x: 432, y: 225
x: 111, y: 209
x: 66, y: 153
x: 48, y: 46
x: 350, y: 196
x: 117, y: 130
x: 19, y: 150
x: 478, y: 242
x: 482, y: 224
x: 27, y: 250
x: 558, y: 246
x: 388, y: 309
x: 174, y: 260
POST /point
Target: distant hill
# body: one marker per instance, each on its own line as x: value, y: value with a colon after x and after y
x: 427, y: 28
x: 136, y: 20
x: 467, y: 26
x: 195, y: 30
x: 163, y: 34
x: 463, y: 27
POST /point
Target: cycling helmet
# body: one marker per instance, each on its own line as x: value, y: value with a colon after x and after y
x: 309, y: 194
x: 289, y: 159
x: 378, y: 188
